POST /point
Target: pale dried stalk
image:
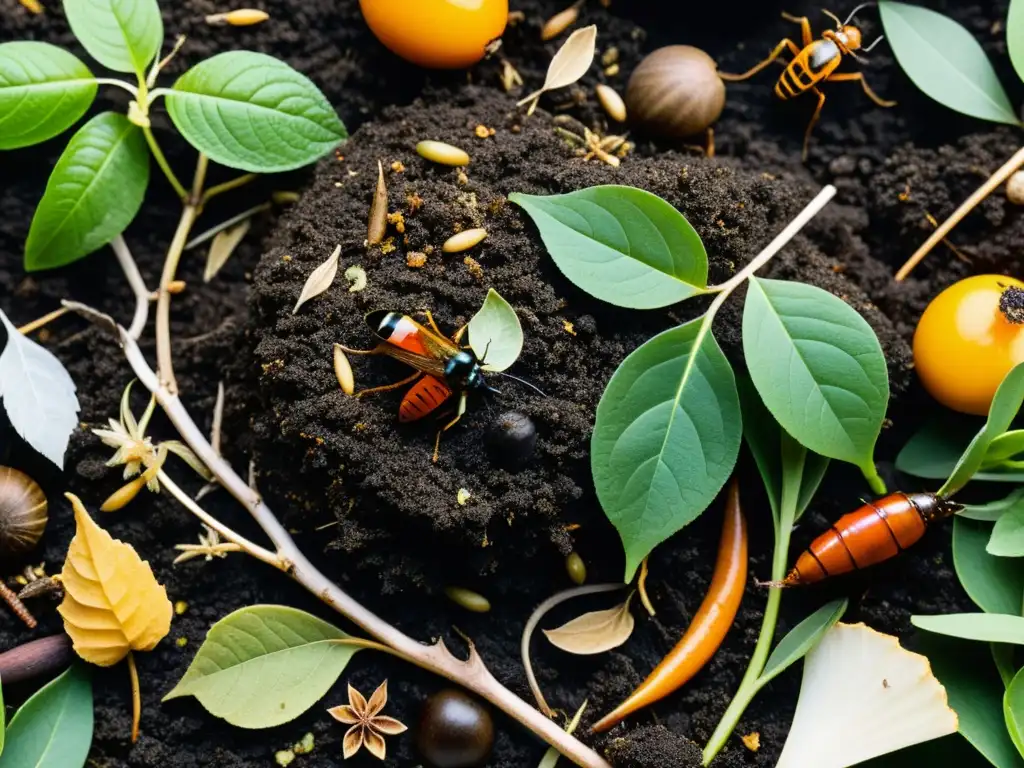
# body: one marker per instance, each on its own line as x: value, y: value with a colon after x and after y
x: 138, y: 285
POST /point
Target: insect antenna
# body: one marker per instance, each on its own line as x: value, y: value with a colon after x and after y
x: 839, y: 24
x: 879, y: 39
x: 854, y: 12
x: 522, y: 381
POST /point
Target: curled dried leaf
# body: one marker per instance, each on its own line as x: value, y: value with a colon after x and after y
x: 568, y: 65
x: 320, y: 279
x: 112, y: 602
x: 223, y: 245
x: 594, y: 632
x: 378, y: 224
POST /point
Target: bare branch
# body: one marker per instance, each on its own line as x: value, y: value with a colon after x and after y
x: 138, y: 285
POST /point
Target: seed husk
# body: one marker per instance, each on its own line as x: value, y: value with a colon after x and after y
x: 242, y: 17
x: 1015, y: 188
x: 612, y: 102
x: 560, y: 22
x: 343, y: 370
x: 468, y: 599
x: 378, y: 224
x: 576, y: 568
x: 464, y: 240
x: 444, y: 154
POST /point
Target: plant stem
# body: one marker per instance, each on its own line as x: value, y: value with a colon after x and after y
x: 38, y: 323
x: 158, y: 155
x: 138, y: 285
x: 165, y: 363
x: 993, y: 181
x: 119, y: 84
x: 212, y: 231
x: 133, y: 674
x: 875, y: 482
x: 227, y: 186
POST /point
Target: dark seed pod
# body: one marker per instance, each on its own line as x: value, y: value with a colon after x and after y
x: 454, y: 731
x: 675, y: 92
x: 40, y: 657
x: 23, y: 515
x: 512, y: 439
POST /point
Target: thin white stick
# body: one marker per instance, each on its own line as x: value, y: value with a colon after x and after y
x: 138, y: 285
x: 213, y: 231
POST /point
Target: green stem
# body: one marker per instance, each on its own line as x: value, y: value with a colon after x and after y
x: 227, y: 186
x: 158, y: 155
x: 875, y: 481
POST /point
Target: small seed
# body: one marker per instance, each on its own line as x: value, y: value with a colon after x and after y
x: 439, y: 152
x: 612, y: 102
x: 560, y: 22
x: 343, y: 370
x: 576, y: 568
x: 471, y: 601
x: 243, y: 17
x: 464, y: 240
x: 176, y: 286
x: 180, y: 607
x: 1015, y: 188
x: 378, y: 224
x: 123, y: 495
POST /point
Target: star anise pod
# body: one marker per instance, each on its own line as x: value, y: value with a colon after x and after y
x: 369, y: 727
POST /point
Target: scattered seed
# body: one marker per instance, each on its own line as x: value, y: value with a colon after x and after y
x: 356, y: 276
x: 378, y: 225
x: 119, y: 498
x: 560, y: 22
x: 515, y: 17
x: 609, y: 57
x: 611, y: 70
x: 576, y: 568
x: 1015, y: 188
x: 33, y: 6
x: 464, y: 240
x: 176, y: 286
x: 243, y: 17
x: 180, y: 607
x: 471, y: 601
x: 752, y: 741
x: 510, y: 77
x: 343, y: 370
x: 612, y: 102
x: 463, y: 496
x: 444, y: 154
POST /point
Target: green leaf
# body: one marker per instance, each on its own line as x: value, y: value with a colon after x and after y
x: 995, y: 584
x: 53, y: 729
x: 1005, y: 405
x: 43, y: 91
x: 1015, y: 35
x: 265, y: 665
x: 991, y: 511
x: 666, y: 437
x: 3, y: 718
x: 250, y: 111
x: 1013, y: 710
x: 935, y: 449
x: 987, y: 627
x: 818, y: 367
x: 945, y: 61
x: 1003, y: 656
x: 1004, y: 447
x: 93, y: 193
x: 1007, y: 538
x: 801, y: 639
x: 975, y: 693
x: 620, y: 244
x: 123, y: 35
x: 495, y: 333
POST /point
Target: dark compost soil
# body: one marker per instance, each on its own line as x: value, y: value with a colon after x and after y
x: 395, y: 534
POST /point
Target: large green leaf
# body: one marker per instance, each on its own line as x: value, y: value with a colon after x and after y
x: 251, y: 111
x: 123, y: 35
x: 801, y: 638
x: 3, y: 718
x: 1015, y: 35
x: 945, y: 61
x: 934, y: 450
x: 666, y: 437
x: 991, y: 511
x: 995, y: 584
x: 987, y: 627
x: 53, y: 729
x: 1007, y: 538
x: 1013, y: 710
x: 495, y: 333
x: 92, y: 195
x: 818, y: 367
x: 43, y: 91
x: 621, y: 244
x: 975, y: 692
x: 1005, y: 405
x: 265, y: 665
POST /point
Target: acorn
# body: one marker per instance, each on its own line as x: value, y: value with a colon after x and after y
x: 455, y: 731
x: 23, y: 513
x: 675, y: 92
x: 512, y: 439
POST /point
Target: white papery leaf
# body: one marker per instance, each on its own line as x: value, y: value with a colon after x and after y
x: 569, y: 64
x: 223, y: 245
x: 38, y: 394
x: 320, y: 279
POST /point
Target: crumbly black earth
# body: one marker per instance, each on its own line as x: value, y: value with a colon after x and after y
x: 869, y: 153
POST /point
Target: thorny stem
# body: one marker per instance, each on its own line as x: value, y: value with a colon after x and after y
x: 534, y: 620
x: 133, y: 674
x: 227, y: 186
x: 997, y: 178
x: 158, y: 155
x: 471, y: 673
x: 138, y: 285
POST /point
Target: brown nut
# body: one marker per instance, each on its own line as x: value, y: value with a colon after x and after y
x: 675, y: 92
x: 23, y: 514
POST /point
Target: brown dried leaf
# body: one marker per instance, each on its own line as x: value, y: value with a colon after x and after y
x: 378, y: 225
x: 320, y: 279
x: 594, y: 632
x: 570, y: 63
x: 112, y: 602
x: 223, y: 245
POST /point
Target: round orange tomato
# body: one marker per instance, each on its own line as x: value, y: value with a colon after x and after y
x: 441, y: 34
x: 968, y: 339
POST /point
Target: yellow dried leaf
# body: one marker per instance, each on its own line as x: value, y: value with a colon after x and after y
x: 112, y: 602
x: 594, y: 632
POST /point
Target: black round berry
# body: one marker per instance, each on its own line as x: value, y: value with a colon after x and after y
x: 455, y: 731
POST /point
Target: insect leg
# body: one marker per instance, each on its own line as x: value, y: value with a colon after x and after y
x: 851, y: 77
x: 814, y: 120
x: 389, y: 387
x: 805, y: 26
x: 378, y: 350
x: 449, y: 425
x: 457, y: 336
x: 433, y: 325
x: 782, y: 46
